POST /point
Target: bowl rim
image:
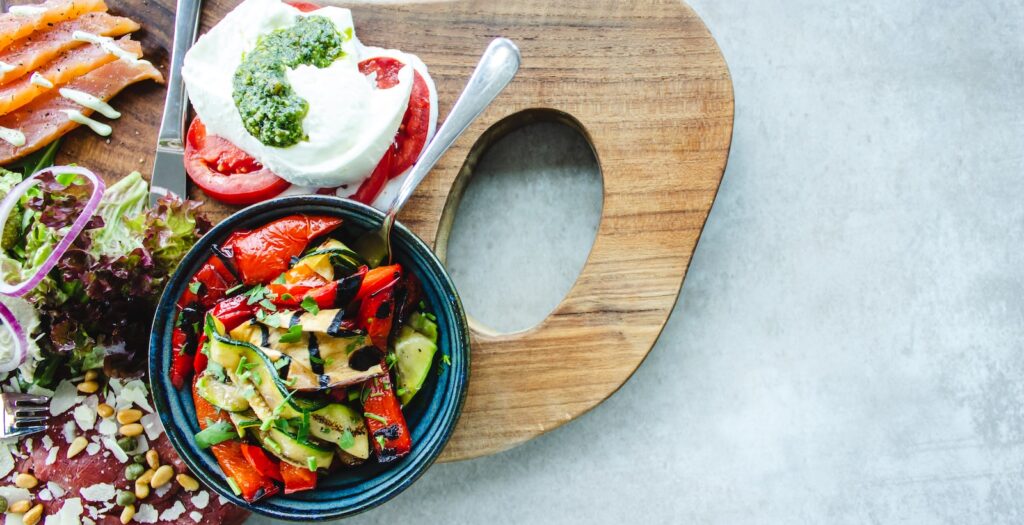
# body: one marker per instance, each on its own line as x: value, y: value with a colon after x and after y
x: 447, y: 417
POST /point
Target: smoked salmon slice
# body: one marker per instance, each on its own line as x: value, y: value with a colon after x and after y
x: 35, y: 50
x: 67, y: 67
x: 44, y: 120
x: 36, y: 17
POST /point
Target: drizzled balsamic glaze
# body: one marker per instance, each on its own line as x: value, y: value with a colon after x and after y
x: 227, y: 257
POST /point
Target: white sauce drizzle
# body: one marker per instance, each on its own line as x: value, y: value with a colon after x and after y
x: 76, y: 116
x: 84, y: 99
x: 40, y: 81
x: 108, y: 45
x: 5, y: 67
x: 12, y: 136
x: 26, y: 10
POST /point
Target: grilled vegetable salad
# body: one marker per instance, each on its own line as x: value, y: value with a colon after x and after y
x: 301, y: 353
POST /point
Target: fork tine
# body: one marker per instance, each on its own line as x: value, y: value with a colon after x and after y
x: 23, y: 431
x: 25, y: 399
x: 22, y: 422
x: 24, y: 411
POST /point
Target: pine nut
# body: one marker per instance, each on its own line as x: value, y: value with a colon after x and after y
x: 141, y: 489
x: 91, y: 375
x: 88, y: 387
x: 33, y: 516
x: 77, y: 446
x: 147, y: 476
x: 153, y: 459
x: 127, y: 514
x: 25, y: 481
x: 162, y: 476
x: 20, y: 507
x: 131, y: 430
x: 188, y: 482
x: 105, y: 410
x: 128, y: 416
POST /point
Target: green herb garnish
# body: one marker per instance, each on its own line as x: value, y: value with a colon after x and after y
x: 309, y: 304
x: 293, y: 335
x: 373, y: 416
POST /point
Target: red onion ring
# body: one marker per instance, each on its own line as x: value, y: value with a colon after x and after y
x: 11, y: 200
x: 20, y: 351
x: 7, y: 206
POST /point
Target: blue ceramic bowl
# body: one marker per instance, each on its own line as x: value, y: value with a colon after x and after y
x: 431, y: 416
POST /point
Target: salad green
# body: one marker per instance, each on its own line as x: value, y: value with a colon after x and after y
x: 93, y: 309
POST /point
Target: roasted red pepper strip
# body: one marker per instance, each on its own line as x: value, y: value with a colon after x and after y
x: 389, y: 432
x: 297, y: 479
x: 262, y: 463
x: 250, y: 481
x: 200, y: 361
x: 181, y: 362
x: 378, y: 278
x: 234, y: 311
x: 388, y: 429
x: 376, y: 315
x: 266, y: 252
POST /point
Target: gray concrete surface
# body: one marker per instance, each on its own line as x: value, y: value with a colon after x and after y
x: 847, y: 347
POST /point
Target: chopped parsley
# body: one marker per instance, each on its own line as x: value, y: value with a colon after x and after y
x: 233, y: 289
x: 216, y: 370
x: 195, y: 286
x: 265, y: 303
x: 255, y: 294
x: 293, y: 335
x: 381, y: 441
x: 375, y: 417
x: 287, y: 296
x: 347, y: 439
x: 309, y: 305
x: 311, y: 463
x: 280, y: 279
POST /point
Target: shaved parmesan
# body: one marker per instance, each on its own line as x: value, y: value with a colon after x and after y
x: 201, y: 500
x: 152, y: 425
x: 51, y: 456
x: 107, y: 427
x: 113, y: 447
x: 85, y: 417
x: 101, y: 492
x: 69, y: 431
x: 92, y: 448
x: 6, y: 460
x: 196, y: 516
x: 37, y: 390
x: 45, y: 495
x: 135, y: 392
x: 64, y: 397
x: 69, y: 514
x: 55, y: 489
x: 47, y: 442
x: 146, y: 514
x: 174, y: 512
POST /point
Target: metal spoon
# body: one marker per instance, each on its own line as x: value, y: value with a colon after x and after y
x: 497, y: 66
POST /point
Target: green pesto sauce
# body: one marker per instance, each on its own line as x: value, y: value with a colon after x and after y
x: 270, y: 109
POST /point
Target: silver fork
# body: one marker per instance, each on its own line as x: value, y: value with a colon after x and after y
x: 23, y: 414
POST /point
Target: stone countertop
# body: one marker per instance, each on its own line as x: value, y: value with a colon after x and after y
x: 847, y: 346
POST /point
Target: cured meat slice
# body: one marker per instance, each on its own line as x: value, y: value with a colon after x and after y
x: 87, y: 470
x: 44, y: 119
x: 35, y: 50
x: 16, y: 25
x: 67, y: 67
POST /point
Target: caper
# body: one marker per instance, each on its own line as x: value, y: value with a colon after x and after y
x: 3, y: 504
x: 128, y: 443
x: 139, y: 458
x: 125, y: 498
x: 133, y: 471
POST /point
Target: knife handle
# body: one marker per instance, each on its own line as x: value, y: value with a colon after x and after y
x: 172, y: 126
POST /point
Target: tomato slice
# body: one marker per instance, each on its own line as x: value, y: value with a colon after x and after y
x: 305, y: 7
x: 412, y: 133
x: 225, y: 172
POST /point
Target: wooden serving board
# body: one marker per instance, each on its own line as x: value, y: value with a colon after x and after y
x: 643, y: 80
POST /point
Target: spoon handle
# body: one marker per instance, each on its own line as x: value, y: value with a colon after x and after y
x: 496, y: 68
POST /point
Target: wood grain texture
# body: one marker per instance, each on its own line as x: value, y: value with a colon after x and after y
x: 643, y: 80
